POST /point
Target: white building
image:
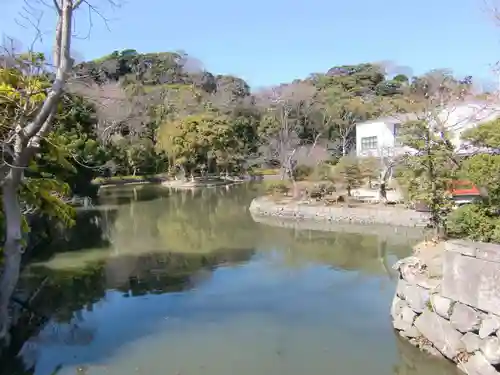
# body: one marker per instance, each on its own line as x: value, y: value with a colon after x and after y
x: 380, y: 137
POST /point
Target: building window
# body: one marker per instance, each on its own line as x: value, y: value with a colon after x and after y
x: 369, y: 143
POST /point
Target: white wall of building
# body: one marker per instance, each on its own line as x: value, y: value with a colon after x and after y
x: 383, y: 130
x: 456, y: 119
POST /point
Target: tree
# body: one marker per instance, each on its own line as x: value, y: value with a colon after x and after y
x: 348, y: 95
x: 345, y: 111
x: 370, y: 168
x: 202, y: 142
x: 387, y: 159
x: 430, y: 171
x: 484, y: 136
x: 431, y: 167
x: 29, y: 106
x: 479, y: 221
x: 289, y: 110
x: 348, y: 172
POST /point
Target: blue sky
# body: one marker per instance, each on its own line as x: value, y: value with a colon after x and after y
x: 273, y: 41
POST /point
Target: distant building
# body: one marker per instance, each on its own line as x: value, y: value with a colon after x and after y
x: 381, y: 137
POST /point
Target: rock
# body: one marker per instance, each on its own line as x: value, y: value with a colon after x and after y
x: 415, y: 271
x: 474, y: 282
x: 397, y: 305
x: 491, y: 349
x: 441, y: 305
x: 411, y: 332
x: 489, y: 325
x: 464, y: 318
x: 464, y: 247
x: 427, y: 283
x: 415, y: 296
x: 477, y: 365
x: 400, y: 288
x: 440, y: 333
x: 429, y: 349
x: 404, y: 320
x: 472, y: 342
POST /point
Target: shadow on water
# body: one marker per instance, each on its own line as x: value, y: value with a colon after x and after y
x: 168, y: 281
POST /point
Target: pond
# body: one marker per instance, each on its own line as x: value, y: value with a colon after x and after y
x: 186, y: 283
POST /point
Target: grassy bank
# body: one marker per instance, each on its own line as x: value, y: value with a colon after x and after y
x: 122, y: 180
x: 265, y: 171
x: 157, y: 178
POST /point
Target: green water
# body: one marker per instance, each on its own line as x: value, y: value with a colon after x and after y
x: 154, y: 282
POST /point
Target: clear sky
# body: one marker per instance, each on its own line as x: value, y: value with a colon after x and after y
x: 273, y: 41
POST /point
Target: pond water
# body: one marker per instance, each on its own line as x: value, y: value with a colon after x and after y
x: 186, y: 283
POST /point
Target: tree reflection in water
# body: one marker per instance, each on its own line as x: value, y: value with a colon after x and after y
x: 150, y: 240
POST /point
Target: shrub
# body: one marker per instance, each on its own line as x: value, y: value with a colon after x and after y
x: 321, y: 172
x: 327, y: 187
x: 348, y: 173
x: 301, y: 172
x: 278, y: 188
x: 475, y: 222
x: 264, y: 171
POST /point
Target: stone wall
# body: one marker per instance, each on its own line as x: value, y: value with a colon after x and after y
x: 396, y: 235
x: 447, y: 303
x: 265, y: 206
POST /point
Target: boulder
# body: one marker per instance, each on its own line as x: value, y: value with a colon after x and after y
x: 464, y: 318
x: 490, y: 348
x: 489, y: 325
x: 441, y: 305
x: 404, y: 320
x: 415, y: 296
x: 410, y: 333
x: 429, y: 349
x: 477, y: 365
x: 397, y: 305
x: 440, y: 333
x: 472, y: 342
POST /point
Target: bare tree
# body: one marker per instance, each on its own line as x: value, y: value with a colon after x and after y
x: 437, y: 107
x: 28, y: 124
x: 385, y: 159
x: 289, y: 108
x: 117, y: 110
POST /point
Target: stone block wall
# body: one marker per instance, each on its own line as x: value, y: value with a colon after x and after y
x: 398, y: 217
x: 447, y: 303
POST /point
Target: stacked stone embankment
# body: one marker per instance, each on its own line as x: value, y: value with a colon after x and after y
x: 447, y: 303
x: 366, y: 215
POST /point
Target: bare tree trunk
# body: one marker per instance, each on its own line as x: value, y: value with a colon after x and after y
x: 384, y: 177
x: 12, y: 252
x: 283, y: 173
x: 25, y: 141
x: 382, y: 189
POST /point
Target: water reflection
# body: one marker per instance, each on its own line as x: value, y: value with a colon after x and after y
x: 189, y: 283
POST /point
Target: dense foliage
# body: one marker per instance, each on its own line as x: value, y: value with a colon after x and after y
x: 137, y: 114
x: 172, y: 96
x: 481, y: 221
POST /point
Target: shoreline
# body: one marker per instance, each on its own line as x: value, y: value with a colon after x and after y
x: 186, y: 184
x: 446, y: 303
x: 380, y: 230
x: 370, y: 215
